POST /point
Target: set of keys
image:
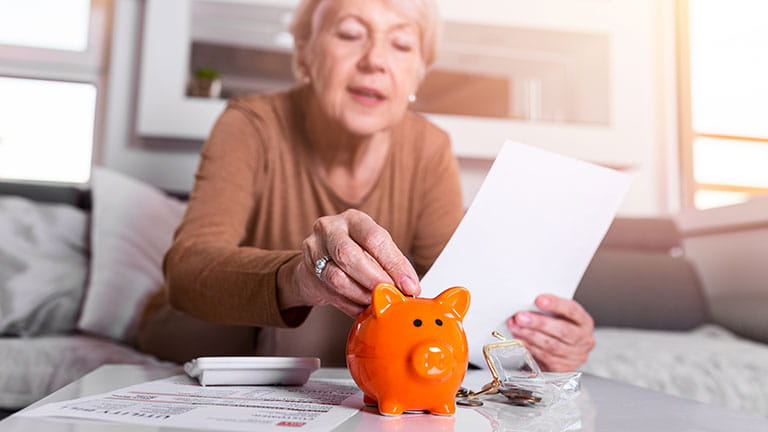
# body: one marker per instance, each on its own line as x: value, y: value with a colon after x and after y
x: 495, y: 354
x: 515, y: 395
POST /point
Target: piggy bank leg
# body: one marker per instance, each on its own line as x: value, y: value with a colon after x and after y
x: 369, y: 400
x: 390, y: 406
x: 449, y: 408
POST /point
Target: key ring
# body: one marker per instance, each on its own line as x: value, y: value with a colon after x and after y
x: 514, y: 394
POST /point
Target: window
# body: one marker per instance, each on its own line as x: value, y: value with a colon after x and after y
x: 723, y: 101
x: 52, y: 24
x: 51, y: 70
x: 46, y: 130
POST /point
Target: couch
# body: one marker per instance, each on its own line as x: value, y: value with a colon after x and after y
x: 653, y: 325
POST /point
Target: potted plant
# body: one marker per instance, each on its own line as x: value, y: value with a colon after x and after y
x: 206, y: 82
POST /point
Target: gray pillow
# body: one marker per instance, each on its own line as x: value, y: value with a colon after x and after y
x: 651, y: 290
x: 43, y: 265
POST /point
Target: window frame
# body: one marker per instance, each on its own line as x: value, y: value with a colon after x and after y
x: 90, y: 66
x: 687, y: 134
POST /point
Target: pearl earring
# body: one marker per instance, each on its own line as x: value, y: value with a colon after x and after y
x: 411, y: 98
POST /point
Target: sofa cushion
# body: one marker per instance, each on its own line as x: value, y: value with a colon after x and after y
x: 47, y: 193
x: 745, y: 314
x: 43, y: 266
x: 646, y: 234
x: 133, y: 225
x: 626, y: 288
x: 35, y: 367
x: 708, y: 364
x: 639, y: 278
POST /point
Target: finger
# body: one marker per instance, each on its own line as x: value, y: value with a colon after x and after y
x: 341, y: 283
x: 333, y: 233
x: 565, y: 308
x: 553, y: 360
x: 581, y: 339
x: 343, y: 303
x: 348, y: 307
x: 559, y: 328
x: 333, y: 277
x: 379, y: 244
x: 551, y: 363
x: 354, y: 260
x: 311, y: 251
x: 546, y: 342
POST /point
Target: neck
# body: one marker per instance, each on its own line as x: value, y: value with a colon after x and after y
x: 350, y: 163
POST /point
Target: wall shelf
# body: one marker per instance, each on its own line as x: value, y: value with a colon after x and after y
x: 614, y: 122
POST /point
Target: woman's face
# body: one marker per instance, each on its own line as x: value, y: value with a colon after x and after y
x: 363, y: 59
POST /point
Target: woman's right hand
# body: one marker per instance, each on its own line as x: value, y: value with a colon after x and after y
x: 363, y: 254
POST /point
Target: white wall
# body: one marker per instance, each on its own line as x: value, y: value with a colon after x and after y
x: 642, y: 137
x: 122, y: 149
x: 643, y: 86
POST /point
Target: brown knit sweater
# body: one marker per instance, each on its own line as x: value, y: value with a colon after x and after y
x: 257, y: 194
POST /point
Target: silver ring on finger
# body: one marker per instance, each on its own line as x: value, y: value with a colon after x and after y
x: 320, y: 265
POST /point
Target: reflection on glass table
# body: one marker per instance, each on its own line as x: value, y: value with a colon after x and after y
x: 603, y: 405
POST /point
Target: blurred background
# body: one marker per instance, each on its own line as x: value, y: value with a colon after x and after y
x: 673, y: 92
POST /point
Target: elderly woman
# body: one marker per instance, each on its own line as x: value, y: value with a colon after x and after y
x: 313, y: 196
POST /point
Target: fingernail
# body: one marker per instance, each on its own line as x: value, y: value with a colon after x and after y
x: 523, y: 319
x: 544, y: 301
x: 515, y: 329
x: 408, y: 286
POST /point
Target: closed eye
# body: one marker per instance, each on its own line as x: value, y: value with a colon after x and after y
x: 402, y: 47
x: 348, y: 36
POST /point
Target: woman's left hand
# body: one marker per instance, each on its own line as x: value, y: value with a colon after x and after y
x: 561, y: 342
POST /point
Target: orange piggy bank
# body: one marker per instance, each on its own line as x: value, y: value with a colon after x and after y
x: 410, y: 353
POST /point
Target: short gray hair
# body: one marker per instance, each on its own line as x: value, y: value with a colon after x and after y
x: 423, y: 12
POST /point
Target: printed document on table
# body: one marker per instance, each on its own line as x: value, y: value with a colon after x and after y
x: 532, y: 229
x: 180, y: 402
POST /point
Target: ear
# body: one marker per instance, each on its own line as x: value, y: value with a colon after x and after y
x: 384, y: 296
x: 301, y: 60
x: 457, y: 299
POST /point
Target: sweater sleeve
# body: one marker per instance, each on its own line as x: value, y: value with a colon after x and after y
x: 209, y: 272
x: 441, y: 207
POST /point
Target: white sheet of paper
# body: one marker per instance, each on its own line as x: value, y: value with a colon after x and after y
x: 532, y: 229
x: 179, y: 402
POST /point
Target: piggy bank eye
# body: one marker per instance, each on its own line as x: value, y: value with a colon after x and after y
x: 439, y: 322
x: 417, y: 322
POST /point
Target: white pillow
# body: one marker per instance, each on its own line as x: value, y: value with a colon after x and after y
x: 132, y: 228
x: 43, y: 265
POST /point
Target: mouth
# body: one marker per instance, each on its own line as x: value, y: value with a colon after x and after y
x: 367, y: 95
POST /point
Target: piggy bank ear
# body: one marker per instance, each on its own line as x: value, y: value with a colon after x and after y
x: 384, y: 296
x: 457, y: 299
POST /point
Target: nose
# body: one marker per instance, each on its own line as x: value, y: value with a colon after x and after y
x: 433, y: 360
x: 374, y: 56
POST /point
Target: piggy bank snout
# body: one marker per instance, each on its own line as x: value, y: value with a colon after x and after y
x: 433, y: 360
